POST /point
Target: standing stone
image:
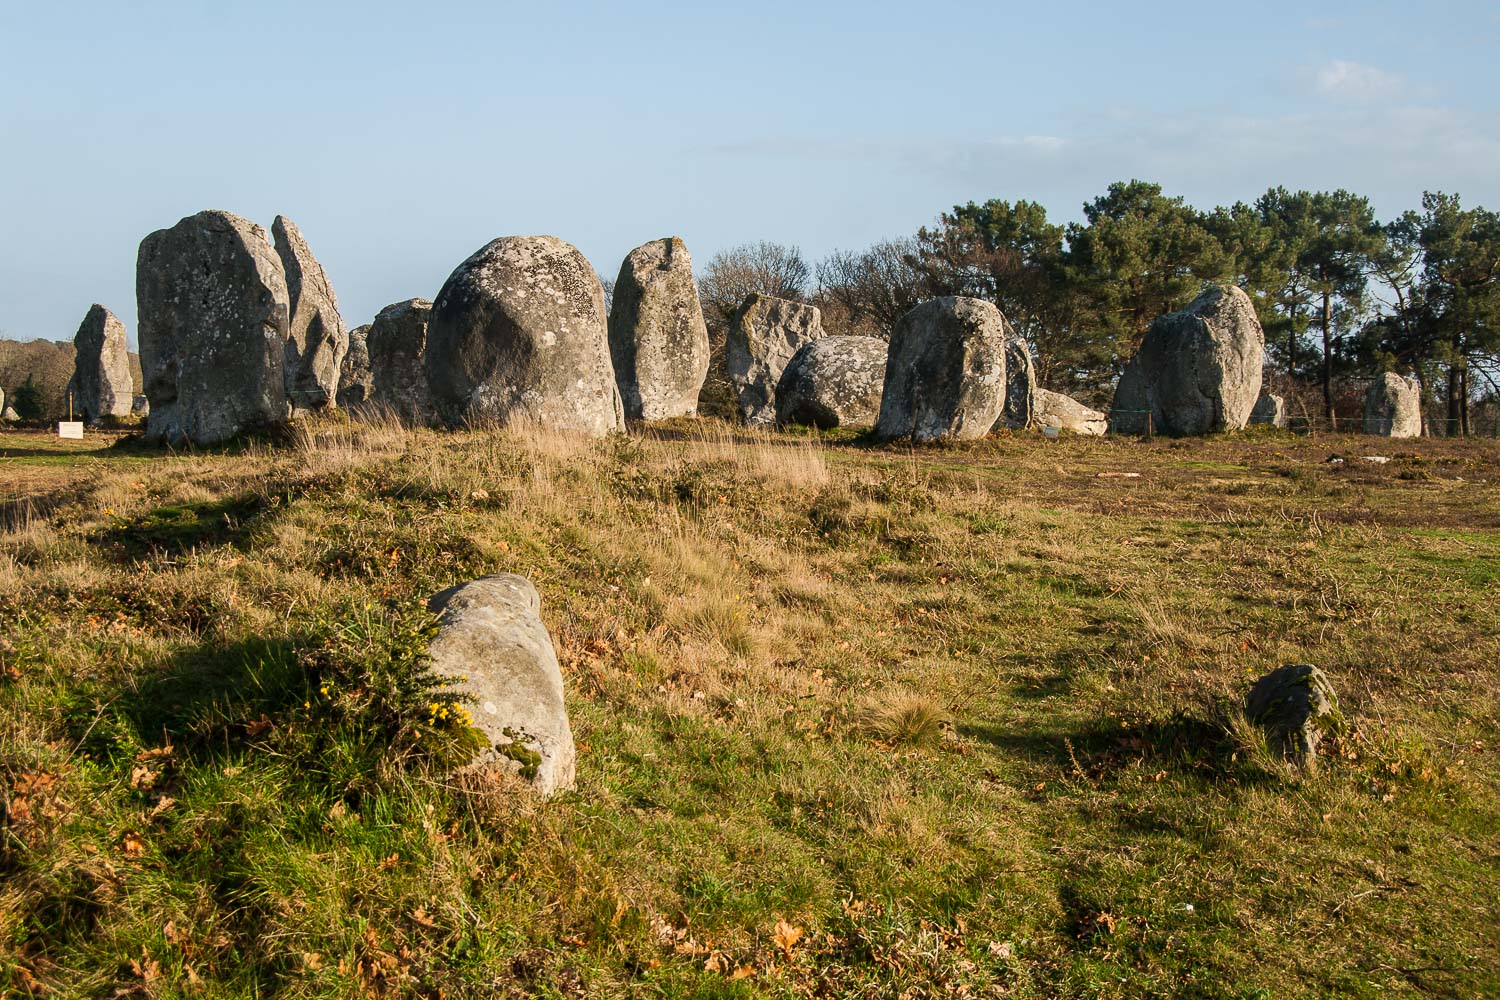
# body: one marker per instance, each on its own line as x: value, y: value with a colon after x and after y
x: 1270, y: 409
x: 1294, y: 705
x: 212, y: 301
x: 140, y: 406
x: 1067, y: 414
x: 9, y: 414
x: 518, y: 336
x: 1020, y: 384
x: 101, y: 385
x: 1393, y: 407
x: 397, y: 348
x: 316, y: 339
x: 658, y: 340
x: 492, y: 645
x: 945, y: 377
x: 1198, y: 371
x: 764, y: 333
x: 833, y: 382
x: 356, y: 381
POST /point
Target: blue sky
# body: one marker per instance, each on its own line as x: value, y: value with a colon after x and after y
x: 402, y: 136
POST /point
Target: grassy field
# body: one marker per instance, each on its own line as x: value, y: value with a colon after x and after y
x: 852, y: 721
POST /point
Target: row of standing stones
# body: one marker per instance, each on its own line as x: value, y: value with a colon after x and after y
x: 238, y: 332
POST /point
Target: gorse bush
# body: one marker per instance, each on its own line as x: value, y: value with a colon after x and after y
x: 373, y: 689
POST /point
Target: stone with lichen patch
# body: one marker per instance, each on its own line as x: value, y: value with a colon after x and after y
x: 316, y: 337
x: 1393, y: 407
x: 1198, y: 370
x: 517, y: 337
x: 396, y: 350
x: 1294, y: 705
x: 658, y: 340
x: 492, y: 646
x: 213, y: 311
x: 833, y: 382
x: 945, y: 375
x: 764, y: 334
x: 101, y: 385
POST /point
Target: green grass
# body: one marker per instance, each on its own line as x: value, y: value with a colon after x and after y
x: 851, y: 720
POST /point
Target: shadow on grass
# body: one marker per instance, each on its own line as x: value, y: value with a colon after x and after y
x: 178, y: 528
x: 214, y: 700
x: 1202, y: 746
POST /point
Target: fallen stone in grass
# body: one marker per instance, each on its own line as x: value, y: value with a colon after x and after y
x: 1295, y: 706
x: 493, y: 646
x: 1064, y: 413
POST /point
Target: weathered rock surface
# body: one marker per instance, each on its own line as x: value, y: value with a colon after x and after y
x: 356, y: 381
x: 101, y: 385
x: 945, y: 376
x: 658, y: 340
x: 1295, y: 706
x: 1393, y: 407
x: 518, y: 336
x: 1198, y: 371
x: 833, y: 382
x: 213, y: 310
x: 1067, y: 414
x: 397, y: 349
x: 493, y: 646
x: 1270, y: 409
x: 764, y: 333
x: 316, y: 337
x: 1020, y: 384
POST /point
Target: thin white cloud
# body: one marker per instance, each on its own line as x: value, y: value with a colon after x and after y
x: 1344, y: 80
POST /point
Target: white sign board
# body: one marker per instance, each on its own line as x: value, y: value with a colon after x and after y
x: 70, y: 429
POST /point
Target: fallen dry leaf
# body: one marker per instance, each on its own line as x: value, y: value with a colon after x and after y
x: 787, y: 936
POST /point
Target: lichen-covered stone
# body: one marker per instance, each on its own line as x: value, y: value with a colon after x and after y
x: 492, y: 646
x: 1198, y: 371
x: 1270, y: 410
x: 213, y: 311
x: 1393, y: 407
x: 356, y: 381
x: 397, y: 349
x: 316, y: 338
x: 833, y: 382
x: 101, y: 385
x: 764, y: 333
x: 1065, y: 413
x: 945, y: 375
x: 1295, y: 706
x: 518, y: 336
x: 1020, y: 384
x: 658, y: 340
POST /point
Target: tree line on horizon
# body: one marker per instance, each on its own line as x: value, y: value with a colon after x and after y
x: 1342, y: 295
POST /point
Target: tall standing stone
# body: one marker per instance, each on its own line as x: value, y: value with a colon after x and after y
x: 833, y: 382
x: 1020, y: 384
x: 1198, y: 371
x: 356, y: 382
x: 316, y: 339
x: 518, y: 336
x: 213, y: 311
x: 764, y: 333
x: 1270, y: 410
x: 658, y: 340
x: 397, y: 346
x: 1393, y: 407
x: 101, y: 385
x: 945, y: 377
